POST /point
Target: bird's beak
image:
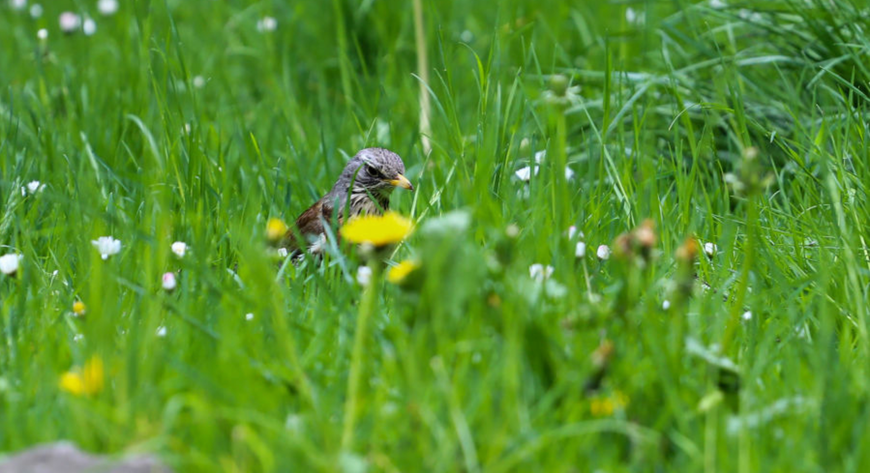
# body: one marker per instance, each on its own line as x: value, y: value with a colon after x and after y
x: 401, y: 181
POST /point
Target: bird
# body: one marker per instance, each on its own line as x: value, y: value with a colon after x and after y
x: 363, y: 188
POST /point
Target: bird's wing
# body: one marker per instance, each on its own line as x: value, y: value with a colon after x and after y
x: 310, y: 223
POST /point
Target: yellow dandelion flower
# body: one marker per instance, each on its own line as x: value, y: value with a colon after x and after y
x: 72, y: 383
x: 601, y: 407
x: 398, y: 273
x: 79, y: 308
x: 276, y: 229
x: 85, y: 382
x: 377, y: 230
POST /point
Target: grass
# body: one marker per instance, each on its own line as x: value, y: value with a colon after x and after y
x: 176, y: 122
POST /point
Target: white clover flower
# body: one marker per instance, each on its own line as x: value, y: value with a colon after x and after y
x: 267, y: 24
x: 42, y: 34
x: 710, y: 249
x: 540, y: 272
x: 17, y: 4
x: 69, y: 22
x: 107, y: 246
x: 89, y: 27
x: 666, y: 305
x: 179, y: 248
x: 249, y: 316
x: 580, y: 250
x: 747, y: 315
x: 9, y: 263
x: 363, y: 275
x: 107, y: 7
x: 35, y: 11
x: 169, y: 282
x: 603, y: 252
x: 161, y: 331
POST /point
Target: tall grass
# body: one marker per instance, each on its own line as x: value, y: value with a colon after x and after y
x: 176, y: 122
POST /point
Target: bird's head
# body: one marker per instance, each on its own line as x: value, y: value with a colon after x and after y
x: 380, y: 171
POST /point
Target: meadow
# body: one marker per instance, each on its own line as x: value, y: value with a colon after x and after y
x: 638, y: 245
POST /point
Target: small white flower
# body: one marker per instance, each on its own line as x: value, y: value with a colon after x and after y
x: 633, y: 17
x: 17, y: 4
x: 524, y: 174
x: 282, y: 252
x: 198, y: 82
x: 42, y: 34
x: 179, y: 248
x: 747, y: 315
x: 161, y: 331
x: 666, y: 305
x: 69, y: 22
x: 35, y: 11
x: 569, y: 173
x: 540, y: 272
x: 78, y: 337
x: 710, y: 248
x: 580, y: 250
x: 572, y: 231
x: 249, y: 316
x: 32, y: 187
x: 89, y: 27
x: 540, y: 155
x: 169, y: 282
x: 107, y: 7
x: 363, y: 275
x: 267, y: 24
x: 717, y: 4
x: 107, y: 246
x: 603, y: 252
x: 9, y: 263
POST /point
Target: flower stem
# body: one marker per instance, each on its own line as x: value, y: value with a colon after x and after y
x: 367, y: 307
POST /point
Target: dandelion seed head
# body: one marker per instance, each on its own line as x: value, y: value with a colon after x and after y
x: 267, y: 24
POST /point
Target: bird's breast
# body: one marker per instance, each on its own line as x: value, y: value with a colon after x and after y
x: 362, y: 204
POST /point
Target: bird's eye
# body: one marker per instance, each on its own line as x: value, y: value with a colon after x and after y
x: 375, y: 172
